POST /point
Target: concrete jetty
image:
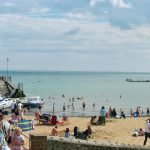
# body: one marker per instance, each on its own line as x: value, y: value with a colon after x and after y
x: 8, y: 89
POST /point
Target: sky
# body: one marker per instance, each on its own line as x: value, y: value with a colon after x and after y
x: 75, y: 35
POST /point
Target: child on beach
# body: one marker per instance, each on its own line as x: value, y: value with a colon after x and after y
x: 67, y: 133
x: 139, y: 132
x: 55, y: 131
x: 17, y: 140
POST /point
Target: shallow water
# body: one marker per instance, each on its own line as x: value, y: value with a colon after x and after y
x: 101, y: 88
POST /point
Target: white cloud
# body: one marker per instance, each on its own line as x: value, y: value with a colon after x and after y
x: 120, y: 4
x: 82, y: 16
x: 40, y: 10
x: 8, y: 4
x: 94, y: 2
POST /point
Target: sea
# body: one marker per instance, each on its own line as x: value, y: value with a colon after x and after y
x: 109, y: 89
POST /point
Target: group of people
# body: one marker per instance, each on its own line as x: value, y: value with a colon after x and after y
x: 77, y: 133
x: 19, y: 108
x: 48, y: 119
x: 139, y: 112
x: 143, y: 132
x: 10, y: 139
x: 101, y: 119
x: 96, y: 121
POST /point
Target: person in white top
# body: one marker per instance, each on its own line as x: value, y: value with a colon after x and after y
x: 147, y: 131
x: 19, y: 108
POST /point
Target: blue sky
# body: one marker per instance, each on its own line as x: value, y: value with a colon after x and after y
x: 94, y: 35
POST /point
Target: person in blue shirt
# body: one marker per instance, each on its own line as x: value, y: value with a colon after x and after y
x: 103, y: 114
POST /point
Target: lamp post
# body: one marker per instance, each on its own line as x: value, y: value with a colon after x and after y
x: 7, y: 67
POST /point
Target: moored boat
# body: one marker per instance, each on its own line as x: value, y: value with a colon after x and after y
x: 35, y: 101
x: 5, y: 103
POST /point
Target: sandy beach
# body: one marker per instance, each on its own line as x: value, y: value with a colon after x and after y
x: 117, y: 131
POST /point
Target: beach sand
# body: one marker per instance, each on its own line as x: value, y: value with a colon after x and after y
x: 118, y: 131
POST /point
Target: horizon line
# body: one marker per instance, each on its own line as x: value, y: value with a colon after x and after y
x: 84, y: 71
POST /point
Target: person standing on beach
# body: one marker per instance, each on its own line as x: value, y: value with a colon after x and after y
x: 110, y: 111
x: 40, y: 106
x: 13, y: 107
x: 19, y: 108
x: 53, y: 107
x: 147, y: 131
x: 103, y: 114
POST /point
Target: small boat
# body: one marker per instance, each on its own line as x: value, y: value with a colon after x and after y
x: 35, y: 101
x: 80, y: 98
x: 5, y: 103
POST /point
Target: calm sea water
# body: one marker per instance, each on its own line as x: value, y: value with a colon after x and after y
x: 101, y: 88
